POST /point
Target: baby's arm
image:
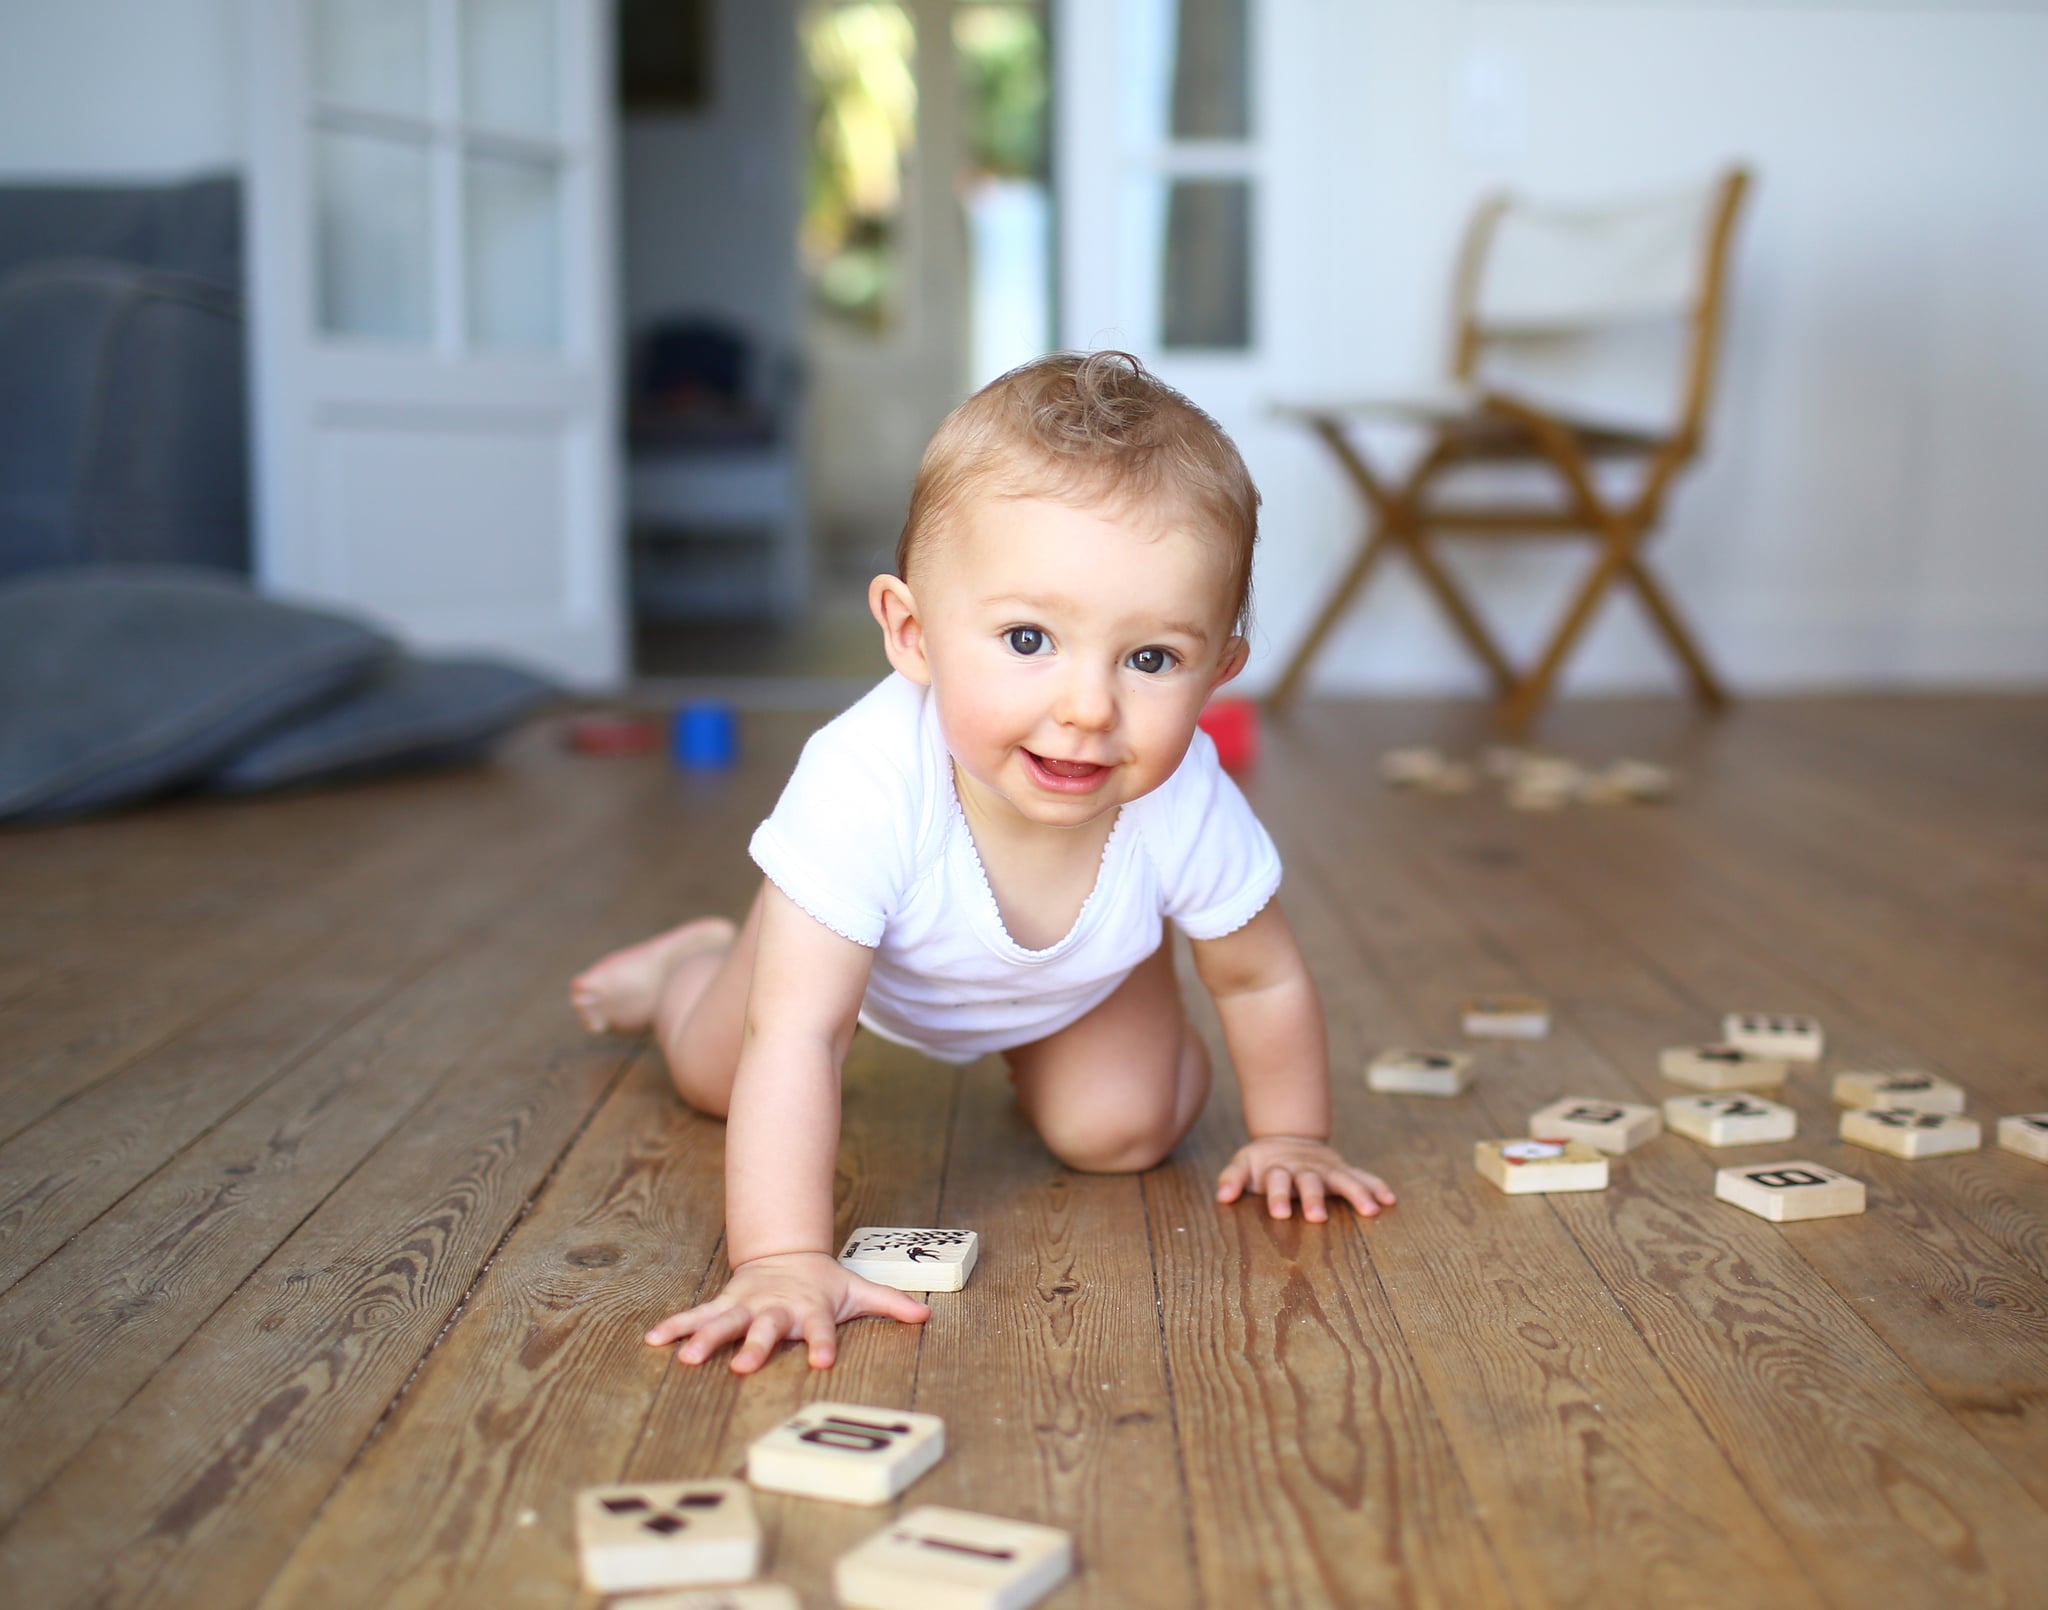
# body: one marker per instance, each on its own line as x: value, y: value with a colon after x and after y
x: 781, y: 1144
x: 1273, y: 1024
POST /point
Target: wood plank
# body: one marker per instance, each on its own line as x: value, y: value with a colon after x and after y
x: 393, y: 916
x: 217, y: 1463
x: 540, y: 1386
x: 1890, y: 1496
x: 1586, y: 1462
x: 1049, y: 1368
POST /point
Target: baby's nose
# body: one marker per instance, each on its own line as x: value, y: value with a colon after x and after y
x: 1088, y: 699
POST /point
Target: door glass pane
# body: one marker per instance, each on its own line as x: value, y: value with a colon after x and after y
x: 509, y: 52
x: 1189, y: 73
x: 1189, y: 242
x: 513, y: 252
x: 375, y: 242
x: 1005, y: 189
x: 371, y: 53
x: 860, y: 62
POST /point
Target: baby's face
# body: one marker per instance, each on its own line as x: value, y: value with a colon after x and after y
x: 1070, y: 651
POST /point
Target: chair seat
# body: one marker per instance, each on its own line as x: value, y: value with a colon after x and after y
x: 1462, y: 417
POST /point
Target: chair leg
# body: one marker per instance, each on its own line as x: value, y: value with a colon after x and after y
x: 1525, y: 703
x: 1705, y: 686
x: 1467, y: 622
x: 1333, y: 610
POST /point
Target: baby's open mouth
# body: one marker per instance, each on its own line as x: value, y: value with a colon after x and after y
x: 1073, y: 771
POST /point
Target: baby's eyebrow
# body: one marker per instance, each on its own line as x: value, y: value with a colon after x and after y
x: 1033, y: 603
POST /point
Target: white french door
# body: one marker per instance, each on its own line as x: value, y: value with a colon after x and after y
x: 431, y: 289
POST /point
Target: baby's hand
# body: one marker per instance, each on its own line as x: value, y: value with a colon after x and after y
x: 1282, y: 1166
x: 790, y: 1295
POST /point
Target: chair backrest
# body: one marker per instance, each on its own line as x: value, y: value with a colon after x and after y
x: 1609, y: 312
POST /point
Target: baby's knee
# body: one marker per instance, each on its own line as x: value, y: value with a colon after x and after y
x: 1111, y: 1142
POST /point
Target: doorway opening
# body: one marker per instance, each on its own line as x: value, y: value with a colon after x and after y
x: 836, y: 220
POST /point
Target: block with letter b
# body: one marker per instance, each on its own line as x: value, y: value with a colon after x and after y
x: 1905, y: 1133
x: 1735, y: 1119
x: 1525, y: 1167
x: 912, y: 1260
x: 1606, y: 1126
x: 2025, y: 1133
x: 1402, y: 1072
x: 1911, y: 1091
x: 1722, y: 1067
x: 952, y: 1559
x: 1774, y: 1034
x: 1782, y: 1192
x: 847, y: 1452
x: 666, y: 1534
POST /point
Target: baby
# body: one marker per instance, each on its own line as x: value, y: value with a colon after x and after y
x: 979, y: 855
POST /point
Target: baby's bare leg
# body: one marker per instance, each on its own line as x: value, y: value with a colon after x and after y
x: 689, y: 986
x: 1115, y: 1091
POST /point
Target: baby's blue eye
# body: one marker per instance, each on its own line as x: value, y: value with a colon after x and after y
x: 1151, y: 660
x: 1024, y: 639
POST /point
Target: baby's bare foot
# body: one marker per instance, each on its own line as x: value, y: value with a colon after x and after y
x: 618, y: 995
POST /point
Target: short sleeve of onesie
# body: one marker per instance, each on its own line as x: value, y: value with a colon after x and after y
x: 1217, y: 865
x: 842, y: 840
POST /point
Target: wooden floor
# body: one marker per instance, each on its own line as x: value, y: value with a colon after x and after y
x: 326, y: 1240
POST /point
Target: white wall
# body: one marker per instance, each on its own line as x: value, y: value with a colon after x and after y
x: 1873, y: 506
x: 118, y: 89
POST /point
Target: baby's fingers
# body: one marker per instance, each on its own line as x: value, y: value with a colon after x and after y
x: 1314, y: 1206
x: 886, y: 1302
x: 1279, y: 1192
x: 1368, y: 1193
x: 677, y: 1326
x: 1231, y: 1183
x: 763, y: 1336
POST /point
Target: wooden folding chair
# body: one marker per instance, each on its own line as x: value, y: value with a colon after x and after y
x: 1541, y: 293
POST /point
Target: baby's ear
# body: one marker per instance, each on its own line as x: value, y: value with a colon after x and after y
x: 895, y: 608
x: 1235, y: 653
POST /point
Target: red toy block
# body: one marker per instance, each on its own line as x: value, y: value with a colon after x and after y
x: 1234, y: 724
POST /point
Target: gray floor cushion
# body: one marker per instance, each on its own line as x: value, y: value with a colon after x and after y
x: 118, y: 683
x: 410, y: 712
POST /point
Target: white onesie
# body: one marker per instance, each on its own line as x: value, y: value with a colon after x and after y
x: 869, y: 838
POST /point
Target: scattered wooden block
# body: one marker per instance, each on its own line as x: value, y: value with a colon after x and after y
x: 912, y: 1260
x: 2025, y: 1133
x: 1506, y: 1017
x: 666, y: 1534
x: 1731, y: 1120
x: 1405, y: 768
x: 748, y: 1596
x: 1542, y: 793
x: 1782, y: 1192
x: 847, y: 1452
x: 1452, y: 777
x: 1640, y: 780
x: 951, y: 1559
x: 1784, y: 1035
x: 1722, y: 1067
x: 1525, y: 1167
x: 1906, y: 1091
x: 1905, y: 1133
x: 1403, y: 1072
x: 1606, y: 1126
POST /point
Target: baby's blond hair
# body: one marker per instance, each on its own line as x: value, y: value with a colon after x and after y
x: 1086, y: 428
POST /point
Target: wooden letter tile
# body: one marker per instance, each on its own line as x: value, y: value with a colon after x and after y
x: 666, y: 1534
x: 950, y: 1559
x: 1785, y: 1191
x: 1523, y: 1167
x: 1506, y: 1017
x: 1905, y: 1133
x: 2025, y: 1133
x: 1403, y: 1072
x: 1912, y: 1092
x: 751, y: 1596
x: 1722, y: 1067
x: 847, y: 1452
x: 1606, y: 1126
x: 1774, y: 1034
x: 912, y: 1260
x: 1731, y: 1120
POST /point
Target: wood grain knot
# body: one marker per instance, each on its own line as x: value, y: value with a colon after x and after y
x: 593, y: 1257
